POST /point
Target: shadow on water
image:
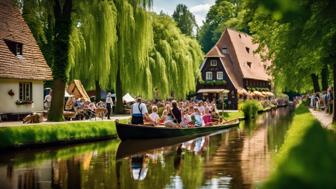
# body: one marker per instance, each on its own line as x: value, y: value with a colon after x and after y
x: 236, y: 158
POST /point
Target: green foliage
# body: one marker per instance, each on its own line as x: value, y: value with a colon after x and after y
x: 233, y: 115
x: 213, y: 82
x: 63, y: 132
x: 250, y: 108
x: 301, y: 37
x: 185, y: 19
x: 174, y: 60
x: 223, y: 14
x: 307, y: 158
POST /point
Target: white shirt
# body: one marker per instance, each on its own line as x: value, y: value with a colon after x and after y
x: 154, y: 116
x: 47, y: 98
x: 136, y: 107
x: 109, y: 99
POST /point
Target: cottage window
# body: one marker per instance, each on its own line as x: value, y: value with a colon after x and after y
x: 208, y: 75
x: 26, y: 91
x: 213, y: 62
x: 247, y: 49
x: 249, y: 64
x: 225, y: 50
x: 14, y: 47
x: 219, y: 75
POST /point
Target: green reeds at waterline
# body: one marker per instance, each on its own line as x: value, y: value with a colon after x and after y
x: 307, y: 159
x: 66, y: 132
x: 250, y: 108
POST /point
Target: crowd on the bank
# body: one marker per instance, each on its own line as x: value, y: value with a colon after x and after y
x: 82, y: 108
x: 182, y: 114
x: 322, y: 100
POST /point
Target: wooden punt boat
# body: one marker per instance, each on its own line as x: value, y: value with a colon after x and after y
x: 129, y: 131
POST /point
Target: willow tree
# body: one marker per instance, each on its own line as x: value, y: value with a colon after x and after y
x: 174, y: 60
x: 93, y: 43
x: 110, y: 44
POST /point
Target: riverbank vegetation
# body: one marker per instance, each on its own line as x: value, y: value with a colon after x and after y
x: 113, y: 45
x: 307, y: 157
x: 67, y: 132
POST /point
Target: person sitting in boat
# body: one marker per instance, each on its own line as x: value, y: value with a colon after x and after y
x: 154, y: 116
x: 197, y: 118
x: 165, y: 113
x: 186, y: 119
x: 138, y: 112
x: 207, y: 118
x: 201, y: 107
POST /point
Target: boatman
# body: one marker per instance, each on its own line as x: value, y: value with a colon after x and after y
x: 138, y: 111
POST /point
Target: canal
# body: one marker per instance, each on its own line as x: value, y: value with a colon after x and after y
x: 236, y: 158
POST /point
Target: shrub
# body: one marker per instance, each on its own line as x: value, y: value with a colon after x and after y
x: 250, y: 108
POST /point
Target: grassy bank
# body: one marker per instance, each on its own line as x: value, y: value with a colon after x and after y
x: 307, y: 159
x: 67, y: 132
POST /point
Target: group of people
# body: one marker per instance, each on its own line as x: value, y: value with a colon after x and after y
x: 86, y: 109
x: 322, y: 100
x: 175, y: 114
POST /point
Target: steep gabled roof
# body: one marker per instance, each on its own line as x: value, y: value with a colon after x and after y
x: 32, y: 64
x: 214, y: 52
x: 250, y: 63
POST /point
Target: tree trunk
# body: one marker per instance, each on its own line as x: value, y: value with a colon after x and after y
x: 324, y: 77
x: 98, y: 91
x: 61, y: 52
x: 119, y: 103
x: 57, y: 101
x: 315, y: 82
x: 334, y: 92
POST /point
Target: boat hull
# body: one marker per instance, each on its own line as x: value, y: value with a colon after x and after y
x: 128, y: 131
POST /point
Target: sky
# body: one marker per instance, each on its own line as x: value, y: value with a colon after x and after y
x: 199, y: 8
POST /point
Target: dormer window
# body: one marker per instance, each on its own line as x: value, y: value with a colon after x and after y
x: 225, y: 50
x: 213, y: 62
x: 14, y: 47
x: 249, y: 64
x: 247, y: 49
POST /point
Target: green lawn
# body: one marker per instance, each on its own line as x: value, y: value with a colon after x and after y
x: 307, y: 159
x: 233, y: 115
x: 54, y: 133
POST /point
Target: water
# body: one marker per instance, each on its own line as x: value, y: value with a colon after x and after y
x: 237, y: 158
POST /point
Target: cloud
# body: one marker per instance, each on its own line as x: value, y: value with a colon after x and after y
x: 202, y: 8
x: 200, y: 11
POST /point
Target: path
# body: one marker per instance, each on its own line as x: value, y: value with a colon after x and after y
x: 324, y: 118
x: 19, y: 123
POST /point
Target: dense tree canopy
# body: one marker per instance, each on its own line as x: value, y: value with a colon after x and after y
x: 174, y: 60
x: 185, y: 19
x: 116, y: 45
x: 223, y: 14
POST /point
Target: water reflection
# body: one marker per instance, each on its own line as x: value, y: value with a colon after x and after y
x: 237, y: 158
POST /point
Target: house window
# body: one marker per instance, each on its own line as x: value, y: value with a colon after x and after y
x: 219, y: 75
x: 14, y: 47
x: 208, y: 75
x: 26, y: 91
x: 213, y: 62
x: 249, y: 64
x: 247, y: 49
x: 225, y: 50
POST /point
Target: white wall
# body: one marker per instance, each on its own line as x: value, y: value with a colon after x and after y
x: 7, y: 102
